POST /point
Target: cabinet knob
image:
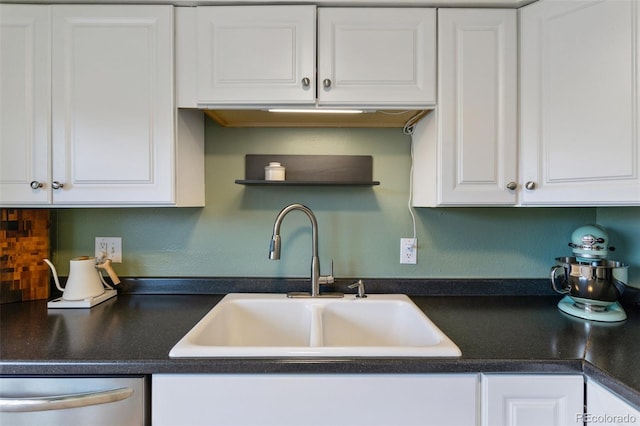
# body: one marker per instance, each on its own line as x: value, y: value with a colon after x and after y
x: 56, y: 185
x: 530, y: 185
x: 512, y: 186
x: 326, y: 83
x: 306, y: 82
x: 35, y: 184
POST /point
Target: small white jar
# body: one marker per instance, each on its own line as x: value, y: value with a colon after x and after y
x: 274, y: 171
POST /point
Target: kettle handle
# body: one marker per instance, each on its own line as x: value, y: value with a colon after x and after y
x: 106, y: 265
x: 554, y: 270
x: 55, y: 274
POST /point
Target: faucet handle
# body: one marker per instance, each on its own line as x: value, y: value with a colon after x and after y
x: 360, y: 286
x: 327, y: 279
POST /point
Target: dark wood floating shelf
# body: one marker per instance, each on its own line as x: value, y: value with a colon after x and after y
x: 312, y: 170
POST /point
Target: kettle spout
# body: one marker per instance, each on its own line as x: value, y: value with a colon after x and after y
x: 55, y: 274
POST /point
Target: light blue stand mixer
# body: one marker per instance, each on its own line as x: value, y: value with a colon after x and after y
x: 592, y: 283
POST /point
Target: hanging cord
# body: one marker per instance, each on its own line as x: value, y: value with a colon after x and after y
x: 408, y: 129
x: 410, y: 125
x: 410, y: 201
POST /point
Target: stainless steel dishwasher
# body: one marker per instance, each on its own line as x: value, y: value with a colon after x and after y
x: 73, y: 401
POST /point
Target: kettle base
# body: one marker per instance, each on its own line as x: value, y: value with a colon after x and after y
x: 90, y: 302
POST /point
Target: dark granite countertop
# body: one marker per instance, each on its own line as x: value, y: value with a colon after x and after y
x: 133, y: 333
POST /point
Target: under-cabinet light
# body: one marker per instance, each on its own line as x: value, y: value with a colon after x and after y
x: 317, y: 111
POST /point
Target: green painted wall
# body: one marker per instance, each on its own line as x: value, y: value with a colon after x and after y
x: 360, y: 228
x: 623, y: 226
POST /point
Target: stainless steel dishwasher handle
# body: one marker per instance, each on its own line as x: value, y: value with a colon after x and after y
x: 59, y: 402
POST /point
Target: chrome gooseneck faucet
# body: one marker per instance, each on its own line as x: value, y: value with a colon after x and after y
x: 316, y: 278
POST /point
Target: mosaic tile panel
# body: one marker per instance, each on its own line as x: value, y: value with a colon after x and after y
x: 24, y: 242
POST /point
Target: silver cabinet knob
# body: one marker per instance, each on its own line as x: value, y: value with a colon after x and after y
x: 56, y: 185
x: 512, y: 186
x: 306, y: 82
x: 530, y: 185
x: 326, y: 83
x: 35, y: 184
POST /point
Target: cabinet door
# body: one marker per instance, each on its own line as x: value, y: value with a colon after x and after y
x: 376, y: 56
x: 256, y: 54
x: 477, y: 107
x: 605, y: 407
x: 112, y: 104
x: 301, y: 399
x: 519, y: 399
x: 580, y: 68
x: 25, y: 99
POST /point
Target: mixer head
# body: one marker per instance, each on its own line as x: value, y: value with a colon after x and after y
x: 590, y: 242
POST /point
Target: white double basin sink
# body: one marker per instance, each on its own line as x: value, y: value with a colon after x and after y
x: 273, y: 325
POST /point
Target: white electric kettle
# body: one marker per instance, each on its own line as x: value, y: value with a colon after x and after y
x: 84, y: 279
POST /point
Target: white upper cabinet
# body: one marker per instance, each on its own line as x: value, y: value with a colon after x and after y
x: 113, y: 116
x: 579, y: 132
x: 376, y: 56
x: 112, y: 103
x: 466, y: 150
x: 256, y: 54
x: 25, y: 99
x: 248, y: 56
x: 580, y: 94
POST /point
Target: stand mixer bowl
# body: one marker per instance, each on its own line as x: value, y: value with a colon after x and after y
x: 594, y: 283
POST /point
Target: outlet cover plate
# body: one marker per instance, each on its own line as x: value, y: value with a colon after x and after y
x: 111, y: 246
x: 408, y: 251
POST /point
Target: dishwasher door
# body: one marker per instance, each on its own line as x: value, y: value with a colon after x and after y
x: 73, y: 401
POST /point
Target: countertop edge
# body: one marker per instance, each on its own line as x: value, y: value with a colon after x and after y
x: 289, y: 366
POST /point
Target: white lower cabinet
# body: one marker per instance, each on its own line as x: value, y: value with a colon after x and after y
x: 532, y: 399
x: 605, y: 407
x: 312, y: 399
x: 385, y: 399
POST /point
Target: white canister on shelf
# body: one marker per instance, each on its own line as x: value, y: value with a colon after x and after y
x: 274, y: 171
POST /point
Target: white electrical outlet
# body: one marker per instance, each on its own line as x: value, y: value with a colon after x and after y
x: 111, y: 247
x: 409, y: 251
